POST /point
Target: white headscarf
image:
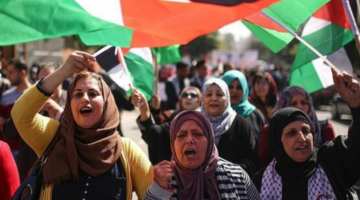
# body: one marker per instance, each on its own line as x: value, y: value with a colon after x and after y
x: 222, y: 122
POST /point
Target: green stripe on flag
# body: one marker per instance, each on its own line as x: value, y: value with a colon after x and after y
x: 306, y: 77
x: 24, y: 20
x: 116, y: 36
x: 168, y: 55
x: 291, y: 13
x: 327, y: 40
x: 275, y: 40
x: 142, y: 74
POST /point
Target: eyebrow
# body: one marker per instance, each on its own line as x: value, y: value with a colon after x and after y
x: 80, y: 90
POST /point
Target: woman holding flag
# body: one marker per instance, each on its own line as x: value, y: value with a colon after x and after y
x: 89, y: 159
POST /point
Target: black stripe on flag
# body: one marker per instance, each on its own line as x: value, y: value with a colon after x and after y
x: 108, y: 59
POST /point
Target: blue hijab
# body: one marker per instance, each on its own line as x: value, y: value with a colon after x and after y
x: 244, y: 107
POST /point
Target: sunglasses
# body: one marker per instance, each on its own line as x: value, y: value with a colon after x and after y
x: 192, y: 95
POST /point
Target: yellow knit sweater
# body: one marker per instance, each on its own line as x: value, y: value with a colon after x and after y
x: 37, y: 131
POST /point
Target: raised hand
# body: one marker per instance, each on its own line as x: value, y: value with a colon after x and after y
x: 155, y: 101
x: 163, y: 172
x: 53, y: 108
x: 79, y: 61
x: 348, y: 88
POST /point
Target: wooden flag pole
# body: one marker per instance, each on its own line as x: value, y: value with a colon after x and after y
x: 353, y: 24
x: 123, y: 63
x: 304, y: 42
x: 156, y: 74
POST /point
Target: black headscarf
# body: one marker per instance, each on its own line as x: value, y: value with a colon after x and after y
x: 294, y: 175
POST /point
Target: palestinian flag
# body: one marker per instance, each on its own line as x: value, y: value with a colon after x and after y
x: 167, y: 55
x: 160, y: 23
x: 327, y: 31
x: 29, y: 20
x: 291, y: 13
x: 316, y: 75
x: 139, y: 64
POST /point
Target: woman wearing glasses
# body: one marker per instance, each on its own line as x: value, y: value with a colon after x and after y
x: 297, y: 97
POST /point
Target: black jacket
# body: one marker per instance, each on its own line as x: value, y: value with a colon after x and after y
x: 340, y: 160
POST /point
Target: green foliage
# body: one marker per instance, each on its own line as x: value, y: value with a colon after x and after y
x: 200, y: 46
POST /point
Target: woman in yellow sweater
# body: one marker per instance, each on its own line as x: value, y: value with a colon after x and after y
x: 89, y: 159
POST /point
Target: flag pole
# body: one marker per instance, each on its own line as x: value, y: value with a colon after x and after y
x: 304, y: 42
x: 156, y: 75
x: 353, y: 24
x: 123, y: 63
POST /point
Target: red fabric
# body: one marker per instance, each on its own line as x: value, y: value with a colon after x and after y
x: 5, y: 112
x: 327, y: 134
x: 178, y: 22
x: 9, y: 175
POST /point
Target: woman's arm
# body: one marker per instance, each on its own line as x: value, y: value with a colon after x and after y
x: 142, y: 172
x: 35, y: 129
x: 340, y: 158
x: 78, y: 61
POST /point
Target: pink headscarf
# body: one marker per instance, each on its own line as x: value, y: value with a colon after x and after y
x: 193, y: 182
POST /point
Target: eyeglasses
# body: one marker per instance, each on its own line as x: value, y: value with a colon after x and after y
x: 192, y: 95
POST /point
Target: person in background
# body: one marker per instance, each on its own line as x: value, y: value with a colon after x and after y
x: 239, y: 92
x: 233, y: 136
x: 294, y: 96
x: 201, y: 75
x: 156, y: 135
x: 264, y: 93
x: 53, y: 108
x: 9, y: 176
x: 17, y: 75
x: 34, y: 71
x: 299, y: 171
x: 4, y: 82
x: 227, y: 67
x: 89, y: 158
x: 189, y: 99
x: 175, y: 84
x: 196, y: 170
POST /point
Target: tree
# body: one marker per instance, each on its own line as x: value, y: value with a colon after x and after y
x: 200, y: 46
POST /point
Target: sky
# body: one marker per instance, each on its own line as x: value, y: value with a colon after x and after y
x: 237, y: 28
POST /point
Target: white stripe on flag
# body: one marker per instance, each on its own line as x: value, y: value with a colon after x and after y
x: 108, y: 10
x: 314, y: 24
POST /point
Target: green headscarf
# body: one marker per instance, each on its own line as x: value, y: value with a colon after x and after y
x: 244, y: 107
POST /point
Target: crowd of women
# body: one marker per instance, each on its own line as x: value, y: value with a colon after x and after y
x: 224, y: 142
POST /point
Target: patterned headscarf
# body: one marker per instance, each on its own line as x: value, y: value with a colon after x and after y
x: 221, y: 123
x: 244, y: 107
x: 284, y: 101
x: 193, y: 182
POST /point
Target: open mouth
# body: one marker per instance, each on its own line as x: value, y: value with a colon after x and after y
x: 190, y: 152
x: 214, y: 105
x: 85, y: 110
x: 301, y: 147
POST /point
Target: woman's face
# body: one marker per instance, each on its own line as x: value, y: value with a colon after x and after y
x: 190, y: 145
x: 300, y: 102
x: 236, y: 92
x: 214, y: 100
x: 87, y: 102
x: 261, y: 87
x: 190, y: 100
x: 297, y: 140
